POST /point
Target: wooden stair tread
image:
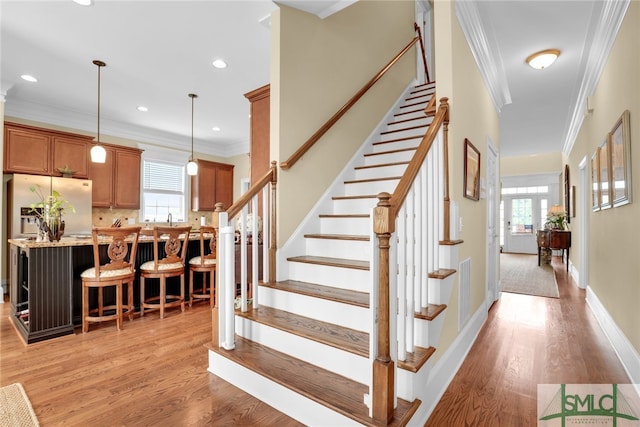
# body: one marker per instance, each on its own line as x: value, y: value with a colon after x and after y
x: 402, y: 113
x: 417, y: 359
x: 387, y: 178
x: 406, y: 138
x: 442, y: 273
x: 362, y: 196
x: 343, y: 215
x: 351, y: 340
x: 345, y: 296
x: 431, y: 311
x: 380, y: 153
x: 451, y: 242
x: 412, y: 119
x: 360, y: 238
x: 334, y: 262
x: 381, y: 165
x: 341, y: 394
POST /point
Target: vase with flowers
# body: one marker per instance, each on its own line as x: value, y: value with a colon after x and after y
x: 49, y: 211
x: 556, y: 218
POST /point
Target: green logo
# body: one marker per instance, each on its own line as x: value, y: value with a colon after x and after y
x: 587, y: 401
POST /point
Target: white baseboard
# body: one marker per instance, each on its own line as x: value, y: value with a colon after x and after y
x: 627, y: 354
x: 447, y: 366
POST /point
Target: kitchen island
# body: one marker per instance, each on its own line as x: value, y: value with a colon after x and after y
x: 46, y: 288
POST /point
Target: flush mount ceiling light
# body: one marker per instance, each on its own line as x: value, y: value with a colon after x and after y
x: 98, y: 153
x: 543, y: 59
x: 84, y: 2
x: 216, y: 129
x: 142, y: 108
x: 192, y: 166
x: 219, y: 63
x: 28, y: 78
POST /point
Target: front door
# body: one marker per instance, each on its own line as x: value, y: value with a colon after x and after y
x: 523, y: 215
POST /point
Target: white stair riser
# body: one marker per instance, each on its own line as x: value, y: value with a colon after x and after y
x: 401, y: 156
x: 333, y: 359
x: 347, y: 315
x: 410, y: 384
x: 346, y: 206
x: 345, y: 226
x: 301, y: 408
x: 338, y: 277
x: 348, y: 249
x: 408, y: 113
x: 402, y: 122
x: 381, y: 171
x: 403, y: 133
x: 396, y: 145
x: 370, y: 187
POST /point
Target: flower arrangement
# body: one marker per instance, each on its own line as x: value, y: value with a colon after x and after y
x: 49, y: 211
x: 556, y: 219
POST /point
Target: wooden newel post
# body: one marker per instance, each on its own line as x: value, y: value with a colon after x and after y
x: 215, y: 222
x: 383, y: 365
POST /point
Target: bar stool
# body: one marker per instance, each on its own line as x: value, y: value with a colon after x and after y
x: 119, y: 271
x: 205, y: 263
x: 170, y: 264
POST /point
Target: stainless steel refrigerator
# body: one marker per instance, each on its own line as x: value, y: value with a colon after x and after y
x: 23, y: 223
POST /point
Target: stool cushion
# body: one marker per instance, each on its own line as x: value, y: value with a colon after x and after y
x: 207, y: 261
x: 91, y: 273
x: 171, y: 266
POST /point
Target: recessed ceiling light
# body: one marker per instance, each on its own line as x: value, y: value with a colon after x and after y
x: 84, y: 2
x: 219, y: 63
x: 142, y: 108
x: 543, y: 59
x: 216, y: 128
x: 29, y: 78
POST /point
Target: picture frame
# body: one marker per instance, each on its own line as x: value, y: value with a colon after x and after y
x: 567, y: 188
x: 605, y: 177
x: 620, y: 153
x: 471, y: 180
x: 595, y: 180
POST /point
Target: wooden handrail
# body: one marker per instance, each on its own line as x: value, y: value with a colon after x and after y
x: 400, y: 194
x: 346, y: 107
x: 424, y: 57
x: 270, y: 176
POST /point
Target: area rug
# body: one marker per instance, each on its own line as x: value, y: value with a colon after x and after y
x: 15, y: 408
x: 520, y: 274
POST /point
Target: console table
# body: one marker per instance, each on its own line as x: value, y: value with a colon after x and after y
x: 554, y: 239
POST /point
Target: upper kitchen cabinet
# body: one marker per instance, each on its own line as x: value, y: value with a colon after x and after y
x: 116, y: 182
x: 212, y: 184
x: 39, y: 151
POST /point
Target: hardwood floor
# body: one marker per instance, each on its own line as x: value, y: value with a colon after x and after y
x: 527, y: 341
x: 153, y: 372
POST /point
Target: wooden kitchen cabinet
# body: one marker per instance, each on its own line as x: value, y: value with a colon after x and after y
x: 116, y: 182
x: 39, y: 151
x: 212, y: 184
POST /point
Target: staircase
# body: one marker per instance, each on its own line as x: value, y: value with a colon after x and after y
x: 307, y: 348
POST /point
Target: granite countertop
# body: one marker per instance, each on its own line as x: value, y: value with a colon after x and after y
x: 80, y: 240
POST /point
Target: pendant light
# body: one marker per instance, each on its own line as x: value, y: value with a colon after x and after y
x: 98, y: 153
x: 192, y: 166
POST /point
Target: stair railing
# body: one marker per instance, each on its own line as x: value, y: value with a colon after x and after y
x: 346, y: 107
x: 249, y: 215
x: 414, y: 210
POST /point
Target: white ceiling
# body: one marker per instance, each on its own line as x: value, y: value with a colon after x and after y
x: 157, y: 52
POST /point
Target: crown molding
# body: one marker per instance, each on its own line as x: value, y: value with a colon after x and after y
x: 604, y: 26
x: 486, y: 53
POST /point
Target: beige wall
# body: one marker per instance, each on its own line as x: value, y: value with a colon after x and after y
x: 533, y: 164
x: 473, y: 116
x: 322, y: 64
x: 614, y: 238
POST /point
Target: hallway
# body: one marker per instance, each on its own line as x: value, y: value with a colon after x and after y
x: 526, y: 341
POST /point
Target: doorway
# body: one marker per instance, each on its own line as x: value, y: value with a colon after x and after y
x: 524, y: 214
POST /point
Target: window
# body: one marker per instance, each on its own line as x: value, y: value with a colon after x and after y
x: 163, y: 191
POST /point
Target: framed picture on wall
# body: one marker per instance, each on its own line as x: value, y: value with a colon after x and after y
x: 595, y: 180
x: 471, y: 171
x: 567, y: 188
x: 605, y: 178
x: 621, y: 161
